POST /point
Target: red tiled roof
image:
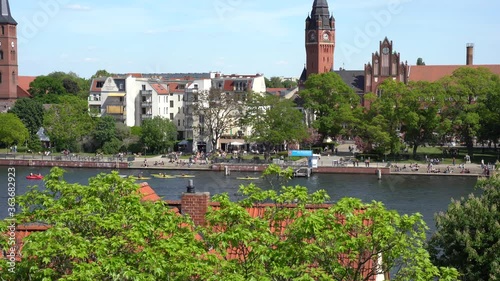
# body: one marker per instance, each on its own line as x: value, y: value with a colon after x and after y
x: 135, y: 75
x: 94, y: 88
x: 148, y: 194
x: 24, y: 82
x: 159, y: 89
x: 174, y: 88
x: 433, y: 73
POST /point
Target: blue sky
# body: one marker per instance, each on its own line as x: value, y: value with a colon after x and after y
x: 242, y: 36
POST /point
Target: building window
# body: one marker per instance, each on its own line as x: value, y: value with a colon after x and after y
x: 178, y: 109
x: 171, y: 103
x: 120, y: 86
x: 144, y: 87
x: 1, y: 55
x: 3, y: 29
x: 178, y: 123
x: 171, y: 116
x: 0, y: 77
x: 178, y: 97
x: 14, y: 77
x: 99, y: 84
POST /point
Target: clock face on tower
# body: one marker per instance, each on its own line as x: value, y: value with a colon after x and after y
x: 326, y: 37
x: 385, y: 50
x: 312, y: 36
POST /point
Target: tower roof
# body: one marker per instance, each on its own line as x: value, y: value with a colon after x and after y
x: 320, y: 8
x: 320, y: 12
x: 5, y: 15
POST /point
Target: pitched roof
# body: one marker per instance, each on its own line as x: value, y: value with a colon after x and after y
x: 433, y: 73
x: 148, y: 194
x: 24, y: 82
x: 159, y: 88
x: 5, y: 15
x: 354, y: 78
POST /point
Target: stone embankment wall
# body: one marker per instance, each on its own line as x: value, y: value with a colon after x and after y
x: 71, y: 164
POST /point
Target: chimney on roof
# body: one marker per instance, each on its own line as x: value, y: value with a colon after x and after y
x: 195, y: 204
x: 470, y: 54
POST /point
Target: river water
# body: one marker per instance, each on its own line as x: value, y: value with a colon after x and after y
x: 407, y: 194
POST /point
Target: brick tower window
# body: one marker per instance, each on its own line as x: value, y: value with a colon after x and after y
x: 0, y: 77
x: 1, y: 55
x: 3, y: 30
x: 13, y: 77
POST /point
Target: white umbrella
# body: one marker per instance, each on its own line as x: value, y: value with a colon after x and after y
x: 236, y: 143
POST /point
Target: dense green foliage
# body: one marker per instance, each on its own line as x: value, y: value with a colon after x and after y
x: 274, y: 121
x: 468, y: 234
x: 30, y: 112
x: 68, y: 122
x: 102, y: 232
x: 336, y: 106
x: 12, y: 130
x: 277, y: 82
x: 48, y: 89
x: 158, y: 134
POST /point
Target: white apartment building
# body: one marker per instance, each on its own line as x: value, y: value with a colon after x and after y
x: 131, y: 99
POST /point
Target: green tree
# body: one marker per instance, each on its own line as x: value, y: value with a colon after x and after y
x: 12, y: 130
x: 334, y: 103
x: 105, y: 130
x: 304, y: 242
x: 289, y: 84
x: 30, y: 112
x: 422, y: 122
x: 101, y: 73
x: 274, y: 82
x: 490, y: 115
x: 387, y: 112
x: 102, y: 231
x: 274, y: 121
x: 48, y: 89
x: 219, y: 112
x: 468, y: 234
x: 68, y: 122
x: 158, y: 134
x: 420, y: 61
x: 467, y: 88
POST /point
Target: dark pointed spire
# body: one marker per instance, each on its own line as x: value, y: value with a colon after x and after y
x: 5, y: 15
x: 321, y: 13
x: 320, y: 8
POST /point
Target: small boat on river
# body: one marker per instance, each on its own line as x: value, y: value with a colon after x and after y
x: 34, y: 177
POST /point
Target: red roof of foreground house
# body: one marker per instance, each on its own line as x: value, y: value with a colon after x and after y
x: 433, y: 73
x: 148, y: 194
x: 159, y: 88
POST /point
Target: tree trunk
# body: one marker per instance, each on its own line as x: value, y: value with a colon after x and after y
x: 415, y: 147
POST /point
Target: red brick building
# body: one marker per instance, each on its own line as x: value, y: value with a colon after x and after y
x: 8, y: 56
x: 319, y: 40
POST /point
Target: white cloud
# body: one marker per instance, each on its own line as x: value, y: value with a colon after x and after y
x: 90, y: 59
x: 78, y: 7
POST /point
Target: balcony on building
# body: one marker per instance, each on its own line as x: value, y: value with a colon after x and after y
x: 94, y: 99
x: 146, y: 93
x: 146, y: 101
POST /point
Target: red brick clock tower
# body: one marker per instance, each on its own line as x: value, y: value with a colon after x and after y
x: 8, y: 55
x: 319, y: 39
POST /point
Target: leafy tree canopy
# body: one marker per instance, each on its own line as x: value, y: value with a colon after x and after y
x: 12, y: 130
x: 30, y: 112
x: 468, y: 234
x: 102, y: 231
x: 336, y: 106
x: 48, y: 88
x: 68, y: 122
x: 274, y: 121
x: 158, y: 134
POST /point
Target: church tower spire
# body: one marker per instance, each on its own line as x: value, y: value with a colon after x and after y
x: 319, y: 38
x: 8, y: 55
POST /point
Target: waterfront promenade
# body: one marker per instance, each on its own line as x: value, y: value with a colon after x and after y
x: 343, y: 162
